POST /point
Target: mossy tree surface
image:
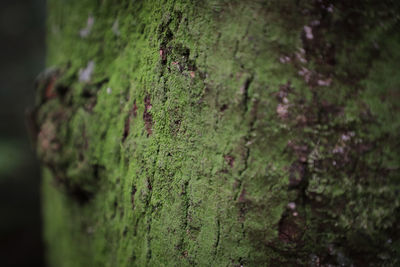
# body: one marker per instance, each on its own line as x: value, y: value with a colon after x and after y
x: 221, y: 133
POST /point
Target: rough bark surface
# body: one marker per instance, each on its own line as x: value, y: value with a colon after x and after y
x: 221, y: 133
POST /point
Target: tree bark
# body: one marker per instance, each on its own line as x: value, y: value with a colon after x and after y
x: 221, y: 133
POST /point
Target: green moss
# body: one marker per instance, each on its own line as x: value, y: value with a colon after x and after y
x: 202, y: 120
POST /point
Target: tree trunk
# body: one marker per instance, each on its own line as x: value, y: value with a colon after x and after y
x: 221, y: 133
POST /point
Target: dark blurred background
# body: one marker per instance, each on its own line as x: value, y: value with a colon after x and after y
x: 22, y: 57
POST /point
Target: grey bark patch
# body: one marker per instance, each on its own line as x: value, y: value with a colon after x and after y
x: 84, y: 32
x: 85, y: 74
x: 115, y: 28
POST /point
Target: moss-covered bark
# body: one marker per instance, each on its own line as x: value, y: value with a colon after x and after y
x: 221, y: 133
